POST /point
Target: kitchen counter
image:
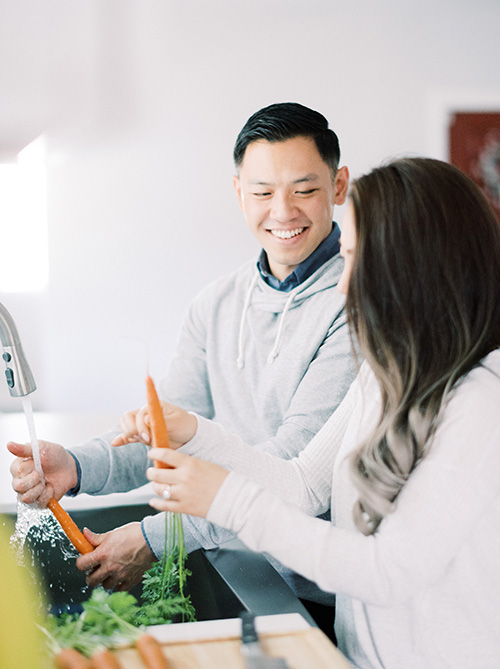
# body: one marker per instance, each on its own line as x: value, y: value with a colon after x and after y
x: 68, y: 429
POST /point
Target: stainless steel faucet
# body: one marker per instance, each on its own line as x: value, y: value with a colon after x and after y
x: 17, y: 371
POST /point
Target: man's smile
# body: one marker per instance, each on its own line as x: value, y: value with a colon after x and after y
x: 287, y: 234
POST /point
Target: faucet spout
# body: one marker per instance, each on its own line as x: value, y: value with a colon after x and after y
x: 17, y: 371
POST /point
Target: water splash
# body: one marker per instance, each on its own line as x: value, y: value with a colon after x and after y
x: 36, y: 536
x: 39, y: 525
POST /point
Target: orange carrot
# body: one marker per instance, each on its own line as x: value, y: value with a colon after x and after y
x: 159, y: 432
x: 69, y: 527
x: 69, y: 658
x: 105, y: 659
x: 151, y: 652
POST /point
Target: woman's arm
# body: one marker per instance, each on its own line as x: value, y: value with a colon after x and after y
x: 444, y: 505
x: 449, y: 502
x: 304, y: 481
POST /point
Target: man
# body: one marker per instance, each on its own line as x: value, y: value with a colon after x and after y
x: 264, y: 351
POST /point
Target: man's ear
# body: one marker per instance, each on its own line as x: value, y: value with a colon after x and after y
x: 237, y: 188
x: 341, y: 185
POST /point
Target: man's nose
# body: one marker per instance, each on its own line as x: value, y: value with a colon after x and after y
x: 283, y: 208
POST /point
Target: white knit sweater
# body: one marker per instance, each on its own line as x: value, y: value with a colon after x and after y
x: 424, y: 591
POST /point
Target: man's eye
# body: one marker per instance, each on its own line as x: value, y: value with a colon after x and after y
x: 306, y: 192
x: 261, y: 194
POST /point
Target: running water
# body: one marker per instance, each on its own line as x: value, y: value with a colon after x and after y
x: 28, y: 412
x: 39, y: 523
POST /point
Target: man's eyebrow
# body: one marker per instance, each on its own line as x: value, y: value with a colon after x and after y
x: 304, y: 179
x: 307, y: 177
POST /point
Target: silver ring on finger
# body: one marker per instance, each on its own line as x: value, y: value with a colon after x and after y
x: 167, y: 493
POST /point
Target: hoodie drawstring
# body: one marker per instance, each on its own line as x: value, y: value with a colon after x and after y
x: 240, y: 362
x: 276, y: 348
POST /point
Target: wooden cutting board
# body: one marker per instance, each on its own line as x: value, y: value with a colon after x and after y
x: 303, y: 648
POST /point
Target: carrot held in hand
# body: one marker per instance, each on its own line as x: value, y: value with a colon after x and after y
x: 159, y: 432
x: 69, y: 527
x: 151, y: 652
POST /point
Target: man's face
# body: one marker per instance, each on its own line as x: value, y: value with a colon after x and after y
x: 287, y: 193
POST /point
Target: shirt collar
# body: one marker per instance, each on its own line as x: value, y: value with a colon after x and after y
x: 326, y: 250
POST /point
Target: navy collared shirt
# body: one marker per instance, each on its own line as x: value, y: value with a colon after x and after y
x: 326, y: 250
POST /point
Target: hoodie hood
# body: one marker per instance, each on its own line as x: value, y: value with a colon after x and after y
x: 263, y: 297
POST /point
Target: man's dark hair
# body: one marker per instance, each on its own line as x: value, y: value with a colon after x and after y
x: 286, y: 120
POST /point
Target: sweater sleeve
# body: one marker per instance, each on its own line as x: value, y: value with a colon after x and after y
x: 198, y: 533
x: 106, y: 469
x: 449, y: 501
x: 300, y: 481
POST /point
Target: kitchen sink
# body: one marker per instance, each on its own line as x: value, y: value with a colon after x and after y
x: 222, y: 583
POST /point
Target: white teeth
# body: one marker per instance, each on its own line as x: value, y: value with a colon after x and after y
x: 287, y: 234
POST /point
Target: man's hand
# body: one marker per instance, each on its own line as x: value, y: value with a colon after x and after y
x: 135, y: 426
x: 58, y: 466
x: 120, y: 558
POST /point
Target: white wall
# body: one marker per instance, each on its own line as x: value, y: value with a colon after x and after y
x: 141, y: 102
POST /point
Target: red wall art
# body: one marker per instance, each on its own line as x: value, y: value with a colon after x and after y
x: 474, y: 147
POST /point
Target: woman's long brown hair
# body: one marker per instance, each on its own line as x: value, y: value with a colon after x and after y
x: 424, y: 305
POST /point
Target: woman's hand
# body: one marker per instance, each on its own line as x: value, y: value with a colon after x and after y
x: 135, y: 426
x: 189, y: 485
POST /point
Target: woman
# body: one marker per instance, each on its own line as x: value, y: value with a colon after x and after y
x: 410, y: 462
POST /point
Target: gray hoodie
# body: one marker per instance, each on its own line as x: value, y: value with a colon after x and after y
x: 269, y: 366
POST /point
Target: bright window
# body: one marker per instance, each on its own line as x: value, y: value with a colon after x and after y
x: 24, y: 265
